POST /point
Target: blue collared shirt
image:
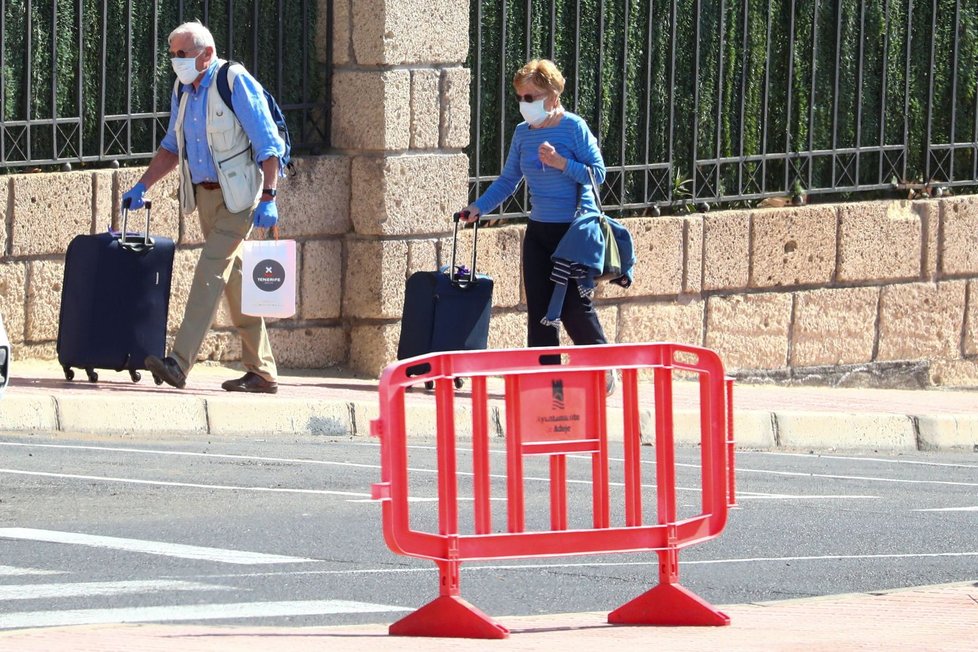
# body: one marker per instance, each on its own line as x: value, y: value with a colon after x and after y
x: 250, y: 108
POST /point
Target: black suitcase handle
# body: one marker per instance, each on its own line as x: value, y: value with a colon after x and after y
x: 135, y: 245
x: 475, y: 240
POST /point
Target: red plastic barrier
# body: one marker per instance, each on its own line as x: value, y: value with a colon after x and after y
x: 556, y: 411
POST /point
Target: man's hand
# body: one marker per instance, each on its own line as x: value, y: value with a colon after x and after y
x: 266, y: 215
x: 135, y: 198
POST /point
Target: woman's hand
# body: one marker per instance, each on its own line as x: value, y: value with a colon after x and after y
x: 550, y: 157
x: 469, y: 214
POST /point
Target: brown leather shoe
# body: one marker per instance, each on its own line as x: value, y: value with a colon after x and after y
x: 167, y: 369
x: 251, y: 382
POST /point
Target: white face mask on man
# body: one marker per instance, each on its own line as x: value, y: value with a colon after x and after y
x: 533, y: 112
x: 185, y: 68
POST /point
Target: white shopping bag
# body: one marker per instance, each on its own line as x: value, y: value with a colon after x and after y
x: 268, y: 278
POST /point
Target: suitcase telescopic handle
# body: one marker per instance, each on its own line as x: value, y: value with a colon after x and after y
x: 475, y: 241
x: 146, y: 243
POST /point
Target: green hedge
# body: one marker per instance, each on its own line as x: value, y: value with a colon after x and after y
x: 115, y: 51
x: 622, y: 55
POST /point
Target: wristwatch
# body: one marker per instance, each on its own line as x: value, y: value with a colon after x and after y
x: 271, y: 192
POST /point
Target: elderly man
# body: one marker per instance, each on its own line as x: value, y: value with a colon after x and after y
x: 229, y: 168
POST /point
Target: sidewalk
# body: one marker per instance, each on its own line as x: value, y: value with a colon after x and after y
x: 337, y: 403
x: 943, y: 617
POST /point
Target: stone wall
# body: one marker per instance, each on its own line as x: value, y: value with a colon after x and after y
x: 867, y: 293
x: 864, y: 293
x: 41, y: 213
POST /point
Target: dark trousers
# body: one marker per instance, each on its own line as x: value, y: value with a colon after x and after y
x: 578, y: 315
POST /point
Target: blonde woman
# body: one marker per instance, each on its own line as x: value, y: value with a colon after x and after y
x: 552, y: 150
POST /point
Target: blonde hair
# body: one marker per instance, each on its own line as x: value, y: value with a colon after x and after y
x: 542, y: 73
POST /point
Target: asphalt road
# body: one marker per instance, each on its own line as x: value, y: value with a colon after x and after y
x: 110, y: 529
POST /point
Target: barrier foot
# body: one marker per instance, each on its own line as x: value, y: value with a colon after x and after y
x: 448, y: 616
x: 668, y: 604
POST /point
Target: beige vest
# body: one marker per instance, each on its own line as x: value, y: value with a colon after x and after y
x: 240, y: 177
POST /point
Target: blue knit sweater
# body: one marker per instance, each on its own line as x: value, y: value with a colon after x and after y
x: 553, y: 193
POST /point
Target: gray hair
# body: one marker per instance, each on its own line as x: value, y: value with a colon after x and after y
x: 202, y: 36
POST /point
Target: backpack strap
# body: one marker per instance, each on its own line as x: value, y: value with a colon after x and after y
x: 178, y: 90
x: 226, y: 75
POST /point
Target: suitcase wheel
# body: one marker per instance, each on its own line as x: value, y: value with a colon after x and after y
x: 92, y: 376
x: 157, y: 379
x: 459, y: 383
x: 429, y: 384
x: 69, y: 373
x: 135, y: 375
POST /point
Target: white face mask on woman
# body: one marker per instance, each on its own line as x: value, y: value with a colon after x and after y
x: 185, y: 68
x: 533, y: 112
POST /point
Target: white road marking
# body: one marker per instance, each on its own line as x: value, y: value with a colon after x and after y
x: 78, y: 589
x: 761, y: 471
x: 30, y: 619
x: 120, y: 449
x: 149, y: 451
x: 861, y: 478
x: 949, y: 509
x: 355, y: 497
x: 11, y: 571
x: 150, y: 547
x: 884, y: 460
x: 742, y: 495
x: 192, y: 485
x: 807, y: 475
x: 611, y: 564
x: 462, y: 473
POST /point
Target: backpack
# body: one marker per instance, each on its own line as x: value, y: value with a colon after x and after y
x: 224, y: 88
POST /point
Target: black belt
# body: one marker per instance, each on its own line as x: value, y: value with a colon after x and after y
x: 209, y: 185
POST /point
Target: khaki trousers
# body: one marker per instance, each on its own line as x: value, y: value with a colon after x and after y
x: 219, y: 270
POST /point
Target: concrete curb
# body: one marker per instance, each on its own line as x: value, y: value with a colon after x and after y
x: 947, y: 432
x: 234, y: 415
x: 835, y: 430
x: 29, y: 413
x: 156, y: 415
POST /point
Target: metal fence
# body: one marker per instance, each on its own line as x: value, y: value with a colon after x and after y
x: 89, y: 81
x: 700, y: 102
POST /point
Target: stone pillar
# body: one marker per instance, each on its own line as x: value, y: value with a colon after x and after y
x: 401, y: 114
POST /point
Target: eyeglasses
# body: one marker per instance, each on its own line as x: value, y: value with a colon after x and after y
x: 529, y: 97
x: 180, y: 54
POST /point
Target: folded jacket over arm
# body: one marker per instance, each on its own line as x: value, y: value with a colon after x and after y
x: 580, y: 256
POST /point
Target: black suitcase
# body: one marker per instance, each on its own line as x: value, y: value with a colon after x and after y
x: 114, y: 301
x: 447, y: 310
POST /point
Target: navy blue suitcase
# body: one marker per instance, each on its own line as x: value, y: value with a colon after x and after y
x: 114, y: 301
x: 4, y: 357
x: 447, y: 310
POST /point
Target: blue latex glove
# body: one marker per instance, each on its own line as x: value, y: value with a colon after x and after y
x: 135, y: 197
x: 266, y: 215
